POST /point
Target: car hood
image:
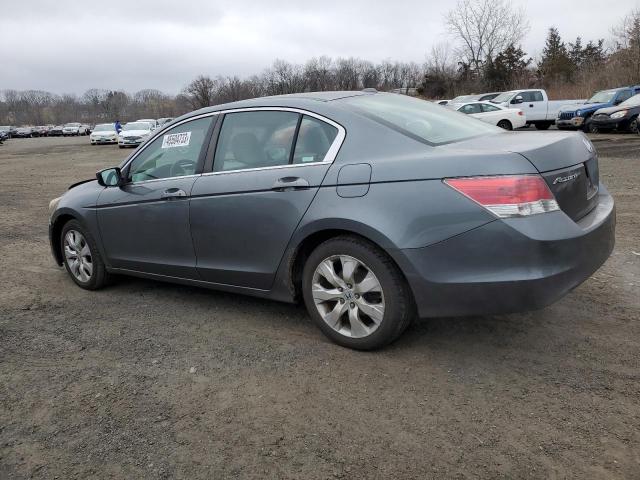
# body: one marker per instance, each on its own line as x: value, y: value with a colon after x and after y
x: 548, y: 151
x: 582, y: 106
x: 104, y: 132
x: 617, y: 108
x: 134, y: 133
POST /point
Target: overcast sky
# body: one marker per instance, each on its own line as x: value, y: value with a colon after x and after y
x: 71, y: 45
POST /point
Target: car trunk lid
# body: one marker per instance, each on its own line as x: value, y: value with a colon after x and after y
x: 567, y: 162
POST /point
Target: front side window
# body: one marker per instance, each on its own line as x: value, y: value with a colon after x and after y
x: 471, y: 108
x: 174, y: 154
x: 314, y: 140
x: 532, y: 96
x: 421, y: 120
x: 255, y: 140
x: 631, y: 102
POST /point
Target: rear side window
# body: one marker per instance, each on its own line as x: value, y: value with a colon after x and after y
x: 314, y: 140
x: 255, y: 140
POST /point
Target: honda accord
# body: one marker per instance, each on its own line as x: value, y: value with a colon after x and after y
x: 371, y: 208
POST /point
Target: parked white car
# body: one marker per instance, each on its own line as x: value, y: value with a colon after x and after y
x: 151, y: 121
x: 104, y: 133
x: 72, y: 129
x: 535, y: 103
x: 134, y: 133
x: 507, y: 118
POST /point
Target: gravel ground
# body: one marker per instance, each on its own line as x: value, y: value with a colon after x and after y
x: 151, y: 380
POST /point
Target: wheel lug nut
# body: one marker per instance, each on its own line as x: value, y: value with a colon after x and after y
x: 348, y: 285
x: 357, y: 296
x: 342, y: 300
x: 340, y: 289
x: 352, y: 305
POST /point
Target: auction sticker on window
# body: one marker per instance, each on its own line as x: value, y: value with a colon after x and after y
x: 176, y: 140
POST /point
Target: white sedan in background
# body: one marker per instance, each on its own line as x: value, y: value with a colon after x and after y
x: 507, y: 118
x: 104, y: 133
x: 134, y: 133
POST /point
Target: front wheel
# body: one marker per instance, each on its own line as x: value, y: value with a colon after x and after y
x: 589, y: 127
x: 355, y: 293
x: 506, y: 124
x: 634, y: 125
x: 82, y: 259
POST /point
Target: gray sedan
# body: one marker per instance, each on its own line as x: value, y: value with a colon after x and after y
x: 371, y: 208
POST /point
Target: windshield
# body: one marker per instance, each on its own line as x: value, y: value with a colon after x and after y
x: 630, y: 102
x: 105, y: 127
x: 419, y: 119
x: 137, y: 126
x: 5, y: 128
x: 72, y: 125
x: 504, y: 97
x: 602, y: 97
x: 462, y: 98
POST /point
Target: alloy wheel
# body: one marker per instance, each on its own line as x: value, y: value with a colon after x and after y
x: 348, y: 296
x: 78, y: 256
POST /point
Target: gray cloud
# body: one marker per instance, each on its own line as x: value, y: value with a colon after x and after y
x: 70, y: 46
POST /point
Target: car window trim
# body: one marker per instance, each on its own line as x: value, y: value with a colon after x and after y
x: 329, y: 157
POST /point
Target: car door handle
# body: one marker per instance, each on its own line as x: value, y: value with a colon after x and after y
x: 531, y: 105
x: 172, y: 193
x: 290, y: 183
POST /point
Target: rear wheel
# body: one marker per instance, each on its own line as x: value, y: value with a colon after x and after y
x: 543, y: 126
x: 355, y: 293
x: 82, y: 259
x: 506, y: 124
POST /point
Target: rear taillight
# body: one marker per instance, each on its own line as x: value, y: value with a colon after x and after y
x: 509, y: 195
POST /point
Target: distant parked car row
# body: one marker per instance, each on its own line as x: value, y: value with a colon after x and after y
x: 607, y: 110
x: 132, y: 134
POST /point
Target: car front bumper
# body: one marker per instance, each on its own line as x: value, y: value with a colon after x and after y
x: 104, y: 140
x: 611, y: 124
x: 510, y: 265
x: 575, y: 122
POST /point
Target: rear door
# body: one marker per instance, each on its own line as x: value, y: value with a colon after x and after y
x: 267, y: 168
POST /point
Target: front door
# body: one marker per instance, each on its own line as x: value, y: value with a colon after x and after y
x: 145, y: 223
x: 267, y: 168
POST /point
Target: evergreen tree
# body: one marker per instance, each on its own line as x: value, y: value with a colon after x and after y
x: 508, y: 68
x: 556, y: 64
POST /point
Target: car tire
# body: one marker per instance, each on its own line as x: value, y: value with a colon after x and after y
x: 91, y: 273
x: 505, y: 124
x: 344, y: 317
x: 634, y: 125
x: 589, y: 127
x: 542, y: 126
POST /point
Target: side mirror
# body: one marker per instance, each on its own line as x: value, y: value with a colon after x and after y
x: 517, y: 100
x: 110, y: 177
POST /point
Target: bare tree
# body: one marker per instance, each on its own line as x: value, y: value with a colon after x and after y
x: 201, y: 92
x: 484, y: 28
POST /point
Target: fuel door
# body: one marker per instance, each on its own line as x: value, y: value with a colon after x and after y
x: 353, y: 180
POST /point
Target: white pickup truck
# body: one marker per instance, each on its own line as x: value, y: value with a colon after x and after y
x: 535, y: 104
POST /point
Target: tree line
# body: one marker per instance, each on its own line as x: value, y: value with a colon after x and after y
x: 485, y: 54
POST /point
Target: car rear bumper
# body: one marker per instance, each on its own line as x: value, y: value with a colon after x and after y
x: 510, y: 265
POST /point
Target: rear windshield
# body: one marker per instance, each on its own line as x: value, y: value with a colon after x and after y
x: 419, y: 119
